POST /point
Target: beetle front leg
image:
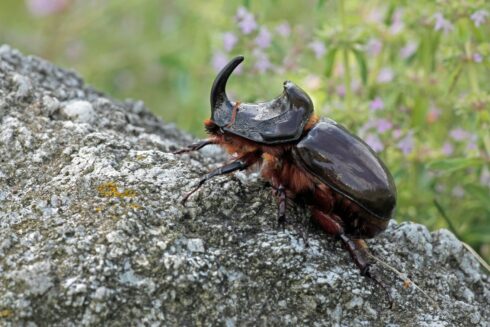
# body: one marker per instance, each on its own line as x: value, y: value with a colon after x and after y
x: 196, y: 146
x: 240, y: 164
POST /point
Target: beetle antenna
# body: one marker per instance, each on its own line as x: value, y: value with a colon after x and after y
x: 407, y: 282
x: 480, y: 259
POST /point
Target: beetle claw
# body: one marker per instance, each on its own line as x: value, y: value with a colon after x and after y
x: 281, y: 221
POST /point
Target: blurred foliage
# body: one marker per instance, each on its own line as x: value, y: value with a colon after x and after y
x: 410, y: 77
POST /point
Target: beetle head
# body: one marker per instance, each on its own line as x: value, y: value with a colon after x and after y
x: 277, y: 121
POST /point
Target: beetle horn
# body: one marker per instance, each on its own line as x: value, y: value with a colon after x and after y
x: 218, y: 91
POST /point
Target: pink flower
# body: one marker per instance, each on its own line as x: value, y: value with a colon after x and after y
x: 364, y: 128
x: 46, y: 7
x: 283, y: 29
x: 385, y: 75
x: 485, y: 177
x: 442, y: 24
x: 318, y: 48
x: 408, y: 50
x: 241, y: 13
x: 377, y: 104
x: 459, y: 134
x: 219, y: 61
x: 397, y: 133
x: 472, y: 139
x: 263, y: 40
x: 458, y: 191
x: 440, y: 188
x: 397, y: 24
x: 374, y: 142
x: 479, y: 17
x: 246, y: 20
x: 340, y: 90
x: 477, y: 58
x: 383, y: 125
x: 229, y: 41
x: 313, y: 82
x: 373, y: 47
x: 406, y: 144
x: 262, y: 63
x: 447, y: 149
x: 375, y: 15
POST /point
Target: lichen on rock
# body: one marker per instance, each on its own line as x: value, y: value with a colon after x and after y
x: 92, y: 232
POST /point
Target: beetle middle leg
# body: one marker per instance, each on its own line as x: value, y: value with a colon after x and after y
x: 196, y: 146
x: 240, y: 164
x: 281, y: 210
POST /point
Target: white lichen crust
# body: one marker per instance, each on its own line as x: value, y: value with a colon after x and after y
x: 92, y: 232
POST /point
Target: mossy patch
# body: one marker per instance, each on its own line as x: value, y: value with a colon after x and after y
x: 26, y: 225
x: 6, y: 313
x: 111, y: 190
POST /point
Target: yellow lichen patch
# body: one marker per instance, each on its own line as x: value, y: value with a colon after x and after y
x: 98, y: 209
x: 6, y: 313
x: 26, y: 225
x: 110, y: 190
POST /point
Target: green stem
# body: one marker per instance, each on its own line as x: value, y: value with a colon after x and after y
x: 450, y: 224
x: 345, y: 53
x: 342, y: 14
x: 347, y: 80
x: 472, y: 75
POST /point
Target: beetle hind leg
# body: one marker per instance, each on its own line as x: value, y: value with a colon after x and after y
x: 358, y: 250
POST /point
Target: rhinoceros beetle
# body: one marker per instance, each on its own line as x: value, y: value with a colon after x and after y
x: 350, y: 192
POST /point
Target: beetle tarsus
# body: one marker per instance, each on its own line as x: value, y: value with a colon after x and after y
x: 184, y: 199
x: 195, y: 146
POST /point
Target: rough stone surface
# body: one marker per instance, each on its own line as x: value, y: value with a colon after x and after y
x: 92, y: 232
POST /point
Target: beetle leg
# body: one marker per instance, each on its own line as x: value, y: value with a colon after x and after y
x: 240, y: 164
x: 358, y: 249
x: 331, y: 224
x: 359, y: 252
x: 281, y: 211
x: 196, y: 146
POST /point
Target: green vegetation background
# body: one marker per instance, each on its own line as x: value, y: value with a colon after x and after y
x: 410, y: 77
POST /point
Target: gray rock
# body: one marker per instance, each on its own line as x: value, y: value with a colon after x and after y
x: 92, y: 232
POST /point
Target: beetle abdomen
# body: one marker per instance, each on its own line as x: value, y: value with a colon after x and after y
x: 349, y: 166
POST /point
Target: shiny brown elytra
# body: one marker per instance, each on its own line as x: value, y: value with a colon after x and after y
x: 350, y: 192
